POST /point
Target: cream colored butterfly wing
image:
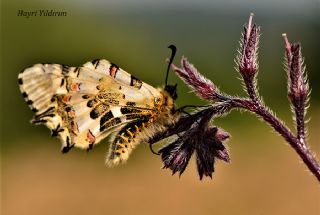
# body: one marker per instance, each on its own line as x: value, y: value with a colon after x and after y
x: 83, y: 105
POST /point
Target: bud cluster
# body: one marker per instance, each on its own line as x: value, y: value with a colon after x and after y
x: 203, y: 140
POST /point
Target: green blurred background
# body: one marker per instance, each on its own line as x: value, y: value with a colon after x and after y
x: 265, y: 175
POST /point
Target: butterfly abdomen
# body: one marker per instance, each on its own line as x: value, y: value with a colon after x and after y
x: 125, y: 141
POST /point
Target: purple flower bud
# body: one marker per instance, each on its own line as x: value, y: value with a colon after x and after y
x: 223, y: 155
x: 176, y: 155
x: 221, y: 135
x: 207, y: 149
x: 248, y: 53
x: 202, y: 86
x: 298, y: 88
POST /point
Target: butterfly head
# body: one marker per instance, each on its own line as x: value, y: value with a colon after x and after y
x: 172, y: 91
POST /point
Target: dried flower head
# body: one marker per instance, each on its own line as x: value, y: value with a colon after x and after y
x: 204, y: 140
x: 207, y: 149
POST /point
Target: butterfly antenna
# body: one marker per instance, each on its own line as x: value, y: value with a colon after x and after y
x: 173, y: 53
x: 151, y: 149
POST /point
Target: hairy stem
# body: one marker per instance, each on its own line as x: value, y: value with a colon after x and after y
x: 251, y: 89
x: 303, y: 151
x: 300, y: 126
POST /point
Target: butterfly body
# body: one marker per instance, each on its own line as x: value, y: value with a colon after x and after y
x: 83, y: 105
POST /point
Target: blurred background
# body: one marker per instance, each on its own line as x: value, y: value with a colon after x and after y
x: 265, y: 175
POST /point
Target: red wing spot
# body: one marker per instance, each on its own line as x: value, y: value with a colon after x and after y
x: 75, y: 128
x: 90, y: 137
x: 113, y: 70
x: 75, y: 87
x: 71, y: 113
x: 66, y: 98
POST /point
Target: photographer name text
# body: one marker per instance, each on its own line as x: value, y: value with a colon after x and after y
x: 41, y: 13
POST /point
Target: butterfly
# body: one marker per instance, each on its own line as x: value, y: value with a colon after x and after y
x: 83, y: 105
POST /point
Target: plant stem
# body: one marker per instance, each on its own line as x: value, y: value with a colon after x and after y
x: 251, y: 89
x: 301, y: 148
